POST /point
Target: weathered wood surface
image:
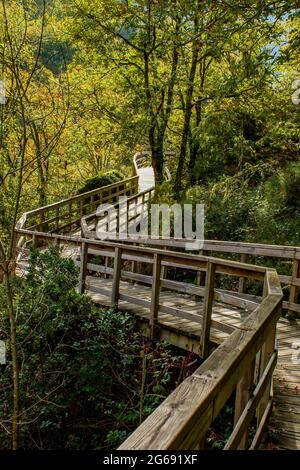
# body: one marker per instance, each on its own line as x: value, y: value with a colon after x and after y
x: 285, y: 418
x: 186, y: 312
x: 180, y: 317
x: 68, y: 212
x: 182, y: 420
x: 178, y: 313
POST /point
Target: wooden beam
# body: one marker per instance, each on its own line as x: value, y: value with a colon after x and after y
x: 83, y: 267
x: 116, y: 277
x: 294, y: 290
x: 207, y: 309
x: 200, y: 278
x: 243, y: 394
x: 242, y: 280
x: 155, y: 293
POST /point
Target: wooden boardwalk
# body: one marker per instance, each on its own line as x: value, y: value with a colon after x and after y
x: 191, y: 316
x: 285, y: 419
x: 284, y: 427
x: 183, y: 332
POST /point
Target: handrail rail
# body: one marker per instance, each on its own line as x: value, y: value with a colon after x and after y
x: 64, y: 210
x: 77, y: 197
x: 141, y: 155
x: 144, y: 195
x: 245, y: 249
x: 183, y: 419
x: 191, y: 260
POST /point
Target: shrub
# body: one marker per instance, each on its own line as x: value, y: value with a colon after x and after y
x: 87, y: 376
x: 103, y: 179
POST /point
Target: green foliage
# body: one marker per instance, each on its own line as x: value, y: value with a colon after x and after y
x: 258, y: 204
x: 222, y: 427
x: 101, y: 180
x: 87, y: 377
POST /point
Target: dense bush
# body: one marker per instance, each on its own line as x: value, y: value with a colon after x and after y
x: 259, y: 204
x: 103, y: 179
x: 87, y: 376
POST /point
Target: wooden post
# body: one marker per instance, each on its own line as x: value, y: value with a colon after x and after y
x: 266, y: 352
x: 164, y: 269
x: 294, y: 290
x: 200, y: 277
x: 244, y: 391
x: 242, y: 280
x: 83, y: 267
x: 155, y: 294
x: 57, y: 218
x: 106, y: 276
x: 207, y: 309
x: 92, y: 203
x: 134, y: 266
x: 116, y: 277
x: 34, y: 240
x: 70, y: 213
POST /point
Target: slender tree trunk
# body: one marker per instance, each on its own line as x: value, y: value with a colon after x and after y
x: 14, y: 349
x: 160, y: 118
x: 157, y: 149
x: 187, y: 119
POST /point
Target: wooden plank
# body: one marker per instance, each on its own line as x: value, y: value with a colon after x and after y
x: 242, y: 280
x: 247, y: 415
x: 187, y: 315
x: 116, y: 277
x: 243, y: 393
x: 83, y: 267
x: 135, y: 300
x: 155, y: 293
x: 207, y: 309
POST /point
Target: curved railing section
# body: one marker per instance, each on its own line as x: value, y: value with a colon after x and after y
x: 243, y: 363
x: 65, y: 215
x: 143, y: 168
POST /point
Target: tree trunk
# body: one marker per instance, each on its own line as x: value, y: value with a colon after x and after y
x: 187, y: 119
x: 14, y: 350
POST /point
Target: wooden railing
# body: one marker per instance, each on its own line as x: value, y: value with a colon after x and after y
x: 244, y: 364
x: 65, y: 215
x: 253, y: 253
x: 143, y: 160
x: 124, y: 217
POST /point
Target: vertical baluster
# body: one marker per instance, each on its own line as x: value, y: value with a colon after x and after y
x: 200, y: 277
x: 242, y: 280
x: 57, y: 215
x: 294, y: 290
x: 155, y: 294
x: 83, y: 267
x: 207, y: 309
x: 244, y: 391
x: 116, y: 277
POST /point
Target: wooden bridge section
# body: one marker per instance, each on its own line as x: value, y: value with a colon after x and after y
x: 183, y: 297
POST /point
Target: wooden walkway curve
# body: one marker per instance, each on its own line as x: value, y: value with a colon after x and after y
x: 197, y: 315
x: 285, y: 419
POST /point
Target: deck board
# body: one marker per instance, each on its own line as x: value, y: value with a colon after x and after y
x: 228, y: 315
x: 285, y: 418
